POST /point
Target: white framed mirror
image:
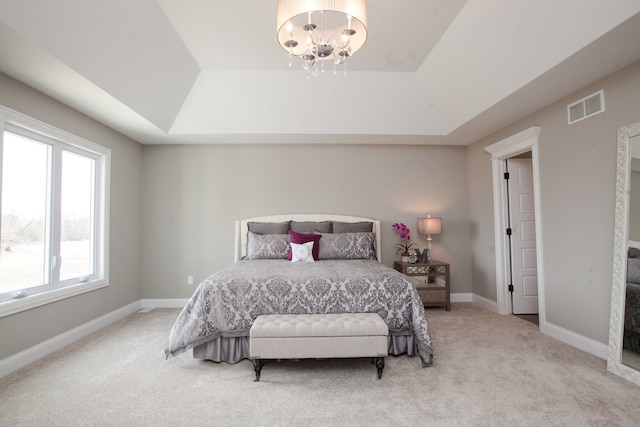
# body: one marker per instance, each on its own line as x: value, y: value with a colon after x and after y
x: 624, y: 329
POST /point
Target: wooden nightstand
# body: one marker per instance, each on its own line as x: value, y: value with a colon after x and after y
x: 431, y: 281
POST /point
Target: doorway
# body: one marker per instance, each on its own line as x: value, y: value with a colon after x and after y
x: 525, y: 141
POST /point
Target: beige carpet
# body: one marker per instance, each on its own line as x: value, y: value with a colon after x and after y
x: 489, y: 370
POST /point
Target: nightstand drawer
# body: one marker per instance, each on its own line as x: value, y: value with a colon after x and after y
x: 427, y: 281
x: 430, y: 296
x: 417, y: 269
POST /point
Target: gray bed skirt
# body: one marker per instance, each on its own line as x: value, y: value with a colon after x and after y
x: 236, y: 348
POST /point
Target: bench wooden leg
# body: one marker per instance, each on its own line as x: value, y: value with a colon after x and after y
x: 380, y: 366
x: 257, y: 367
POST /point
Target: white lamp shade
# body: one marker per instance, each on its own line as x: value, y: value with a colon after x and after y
x: 292, y: 15
x: 430, y: 225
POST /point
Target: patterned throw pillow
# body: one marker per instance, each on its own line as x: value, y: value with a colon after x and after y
x: 352, y: 227
x: 300, y: 238
x: 302, y: 252
x: 348, y: 246
x: 267, y: 246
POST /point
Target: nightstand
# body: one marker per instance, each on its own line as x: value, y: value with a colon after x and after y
x: 431, y: 280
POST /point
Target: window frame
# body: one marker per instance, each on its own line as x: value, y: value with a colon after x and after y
x: 16, y: 122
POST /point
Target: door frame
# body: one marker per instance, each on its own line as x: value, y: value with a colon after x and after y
x: 519, y: 143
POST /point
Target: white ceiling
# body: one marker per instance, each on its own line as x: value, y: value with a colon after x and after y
x: 211, y: 71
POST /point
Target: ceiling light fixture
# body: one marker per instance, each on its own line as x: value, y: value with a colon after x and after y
x: 322, y: 30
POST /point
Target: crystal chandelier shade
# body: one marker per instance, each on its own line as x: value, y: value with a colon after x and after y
x: 321, y: 30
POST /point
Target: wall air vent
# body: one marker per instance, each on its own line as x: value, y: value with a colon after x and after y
x: 586, y: 107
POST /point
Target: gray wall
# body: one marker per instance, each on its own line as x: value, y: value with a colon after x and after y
x: 28, y: 328
x: 482, y: 243
x: 193, y: 195
x: 577, y: 174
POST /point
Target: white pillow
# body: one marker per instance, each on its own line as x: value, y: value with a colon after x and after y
x: 302, y: 252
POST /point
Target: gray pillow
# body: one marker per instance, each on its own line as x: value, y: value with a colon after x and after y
x: 311, y: 226
x: 634, y: 253
x: 347, y: 246
x: 268, y: 227
x: 633, y: 270
x: 352, y: 227
x: 267, y: 246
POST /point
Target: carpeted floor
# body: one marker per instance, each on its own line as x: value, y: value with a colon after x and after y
x: 489, y: 370
x: 533, y: 318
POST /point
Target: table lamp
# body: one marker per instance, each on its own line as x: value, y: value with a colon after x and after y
x: 428, y: 226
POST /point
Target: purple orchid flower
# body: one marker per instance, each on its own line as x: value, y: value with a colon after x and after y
x: 405, y: 234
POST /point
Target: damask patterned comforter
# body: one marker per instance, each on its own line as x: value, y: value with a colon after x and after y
x: 632, y: 317
x: 227, y: 302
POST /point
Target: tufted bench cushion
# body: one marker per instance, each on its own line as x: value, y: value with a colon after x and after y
x: 304, y: 336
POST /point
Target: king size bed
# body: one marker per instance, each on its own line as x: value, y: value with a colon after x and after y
x: 342, y: 273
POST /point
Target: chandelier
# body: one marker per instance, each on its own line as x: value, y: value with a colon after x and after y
x: 322, y: 30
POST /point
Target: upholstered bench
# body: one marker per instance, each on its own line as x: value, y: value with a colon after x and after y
x: 318, y: 336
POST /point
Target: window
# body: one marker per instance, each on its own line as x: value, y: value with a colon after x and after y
x: 53, y: 213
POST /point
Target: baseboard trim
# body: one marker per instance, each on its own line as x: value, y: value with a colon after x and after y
x: 164, y: 303
x: 461, y: 297
x: 38, y: 351
x: 581, y: 342
x: 485, y: 303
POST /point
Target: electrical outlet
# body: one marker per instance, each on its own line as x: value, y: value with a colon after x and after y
x: 189, y: 280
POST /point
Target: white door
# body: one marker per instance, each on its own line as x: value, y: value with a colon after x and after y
x: 524, y: 274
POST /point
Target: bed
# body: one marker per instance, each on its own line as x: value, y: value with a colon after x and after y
x: 343, y: 274
x: 631, y: 337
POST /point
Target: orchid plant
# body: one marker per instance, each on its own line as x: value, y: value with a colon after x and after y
x: 405, y: 234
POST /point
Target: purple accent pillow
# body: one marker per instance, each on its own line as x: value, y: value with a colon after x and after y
x: 301, y: 238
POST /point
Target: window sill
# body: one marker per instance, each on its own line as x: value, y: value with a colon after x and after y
x: 14, y: 306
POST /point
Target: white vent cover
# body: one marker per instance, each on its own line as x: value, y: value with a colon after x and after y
x: 586, y: 107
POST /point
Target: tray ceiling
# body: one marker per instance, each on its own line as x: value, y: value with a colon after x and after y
x: 211, y: 71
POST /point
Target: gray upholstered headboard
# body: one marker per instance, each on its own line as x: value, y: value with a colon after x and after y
x: 242, y: 228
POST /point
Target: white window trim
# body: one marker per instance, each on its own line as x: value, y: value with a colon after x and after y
x: 13, y: 306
